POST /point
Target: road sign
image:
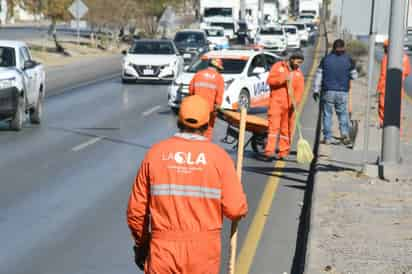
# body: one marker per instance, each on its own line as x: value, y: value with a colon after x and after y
x: 78, y: 9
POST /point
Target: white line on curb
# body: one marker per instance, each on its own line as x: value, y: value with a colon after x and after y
x: 86, y: 144
x: 150, y: 111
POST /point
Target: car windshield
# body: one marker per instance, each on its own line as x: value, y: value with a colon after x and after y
x: 226, y: 12
x: 230, y: 26
x: 7, y: 57
x: 271, y: 31
x: 291, y: 30
x: 215, y: 33
x: 307, y: 16
x: 152, y: 47
x: 308, y: 12
x: 230, y: 66
x: 189, y: 37
x: 300, y: 26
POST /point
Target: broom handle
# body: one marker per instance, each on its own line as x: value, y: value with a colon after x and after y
x: 291, y: 93
x: 239, y: 163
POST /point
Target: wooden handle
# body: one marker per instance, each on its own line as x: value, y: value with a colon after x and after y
x: 239, y: 164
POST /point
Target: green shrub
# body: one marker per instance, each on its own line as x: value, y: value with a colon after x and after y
x: 356, y: 48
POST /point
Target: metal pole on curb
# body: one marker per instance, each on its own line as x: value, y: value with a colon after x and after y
x: 371, y: 57
x: 391, y: 123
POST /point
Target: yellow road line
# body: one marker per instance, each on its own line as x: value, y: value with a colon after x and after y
x: 408, y: 98
x: 248, y: 251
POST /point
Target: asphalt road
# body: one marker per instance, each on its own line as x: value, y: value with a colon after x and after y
x: 64, y: 185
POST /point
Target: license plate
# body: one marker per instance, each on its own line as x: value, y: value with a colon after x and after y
x: 187, y: 55
x: 148, y: 72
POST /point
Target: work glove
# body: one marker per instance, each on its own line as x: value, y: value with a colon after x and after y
x: 140, y: 255
x: 315, y: 96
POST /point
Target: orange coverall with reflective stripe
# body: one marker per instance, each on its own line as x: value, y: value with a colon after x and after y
x: 382, y: 83
x: 186, y: 184
x: 281, y: 115
x: 209, y: 84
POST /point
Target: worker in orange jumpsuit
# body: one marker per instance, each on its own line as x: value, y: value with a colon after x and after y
x: 209, y: 84
x: 382, y: 79
x: 184, y: 187
x: 281, y: 113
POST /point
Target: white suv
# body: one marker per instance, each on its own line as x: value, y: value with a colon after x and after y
x: 22, y: 84
x: 292, y: 35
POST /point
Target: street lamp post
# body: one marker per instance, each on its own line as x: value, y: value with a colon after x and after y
x: 391, y: 125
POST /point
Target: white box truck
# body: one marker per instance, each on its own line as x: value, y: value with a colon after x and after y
x: 309, y: 7
x: 221, y: 13
x: 270, y: 12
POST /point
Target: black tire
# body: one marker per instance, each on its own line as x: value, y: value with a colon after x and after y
x: 17, y: 122
x: 258, y: 144
x: 244, y: 98
x: 127, y: 81
x: 37, y: 112
x: 175, y: 110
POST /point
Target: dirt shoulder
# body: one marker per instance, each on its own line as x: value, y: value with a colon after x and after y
x: 45, y: 52
x: 359, y: 224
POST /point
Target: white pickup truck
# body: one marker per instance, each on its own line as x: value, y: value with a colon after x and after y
x: 22, y: 84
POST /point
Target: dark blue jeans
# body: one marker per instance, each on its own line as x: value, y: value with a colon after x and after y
x: 338, y: 100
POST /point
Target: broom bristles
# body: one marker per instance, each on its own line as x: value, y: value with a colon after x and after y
x: 304, y: 152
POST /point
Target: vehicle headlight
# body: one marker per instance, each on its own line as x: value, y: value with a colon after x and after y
x: 8, y: 83
x: 200, y: 50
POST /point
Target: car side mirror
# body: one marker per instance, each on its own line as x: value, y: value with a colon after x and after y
x: 29, y: 64
x: 258, y: 70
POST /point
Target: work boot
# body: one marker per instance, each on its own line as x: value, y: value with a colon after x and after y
x: 326, y: 142
x: 265, y: 158
x: 346, y: 140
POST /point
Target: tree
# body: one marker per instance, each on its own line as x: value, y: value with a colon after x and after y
x: 153, y: 10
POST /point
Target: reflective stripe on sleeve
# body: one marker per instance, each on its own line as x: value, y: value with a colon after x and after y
x: 185, y: 190
x: 205, y: 85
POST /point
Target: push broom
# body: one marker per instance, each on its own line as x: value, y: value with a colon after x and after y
x: 304, y: 150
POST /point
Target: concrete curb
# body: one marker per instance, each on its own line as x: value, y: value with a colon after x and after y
x: 312, y: 233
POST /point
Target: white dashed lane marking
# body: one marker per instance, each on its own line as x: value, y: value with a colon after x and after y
x: 151, y: 110
x: 86, y: 144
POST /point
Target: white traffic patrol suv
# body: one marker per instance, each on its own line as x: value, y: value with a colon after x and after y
x: 245, y: 73
x: 22, y: 84
x: 151, y: 60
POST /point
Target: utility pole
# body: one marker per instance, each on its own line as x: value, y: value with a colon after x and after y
x: 372, y: 35
x: 260, y: 13
x: 391, y: 124
x: 242, y: 9
x: 340, y: 30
